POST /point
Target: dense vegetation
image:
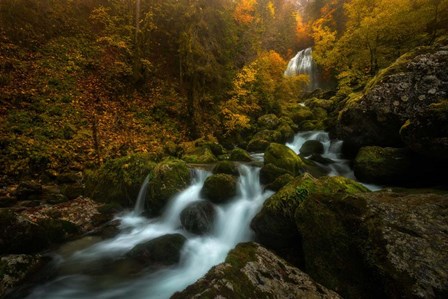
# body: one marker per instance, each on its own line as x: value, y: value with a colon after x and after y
x: 87, y: 80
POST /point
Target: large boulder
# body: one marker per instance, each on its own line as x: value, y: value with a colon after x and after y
x: 161, y: 251
x: 198, y: 217
x: 404, y: 91
x: 227, y: 167
x: 312, y: 147
x: 118, y: 181
x: 200, y: 155
x: 167, y: 179
x: 268, y: 122
x: 251, y: 271
x: 219, y: 188
x: 377, y: 245
x: 240, y: 155
x: 275, y: 225
x: 269, y: 173
x: 262, y: 139
x: 283, y: 157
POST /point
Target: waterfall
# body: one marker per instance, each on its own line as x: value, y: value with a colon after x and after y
x: 141, y: 198
x: 199, y: 254
x: 303, y: 63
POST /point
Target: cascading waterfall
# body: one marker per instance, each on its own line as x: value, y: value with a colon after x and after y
x: 199, y: 253
x: 140, y: 202
x: 303, y: 63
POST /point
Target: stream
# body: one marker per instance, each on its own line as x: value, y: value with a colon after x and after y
x: 100, y: 270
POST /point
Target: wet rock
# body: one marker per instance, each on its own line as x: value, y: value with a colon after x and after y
x: 311, y: 147
x: 262, y: 139
x: 219, y: 188
x: 251, y: 271
x: 164, y: 250
x: 320, y: 159
x: 226, y: 167
x: 280, y: 182
x: 167, y: 179
x: 28, y: 190
x: 283, y: 157
x: 404, y: 91
x: 286, y: 132
x: 269, y: 173
x: 241, y: 155
x: 198, y: 217
x: 377, y: 245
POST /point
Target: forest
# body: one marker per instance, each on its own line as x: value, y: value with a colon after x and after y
x: 97, y: 95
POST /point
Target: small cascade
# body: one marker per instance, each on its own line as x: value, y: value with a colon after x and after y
x: 141, y: 198
x: 303, y: 63
x: 199, y: 254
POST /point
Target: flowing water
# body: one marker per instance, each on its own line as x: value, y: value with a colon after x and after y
x: 100, y: 271
x: 332, y: 151
x: 303, y: 63
x: 88, y: 273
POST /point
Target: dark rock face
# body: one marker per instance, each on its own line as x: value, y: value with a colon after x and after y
x: 198, y: 217
x: 164, y: 250
x: 269, y: 173
x: 28, y: 190
x: 312, y: 147
x: 377, y: 245
x: 219, y: 188
x: 403, y: 92
x: 251, y: 271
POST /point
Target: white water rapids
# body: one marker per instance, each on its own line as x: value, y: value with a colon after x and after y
x: 87, y: 274
x: 199, y: 253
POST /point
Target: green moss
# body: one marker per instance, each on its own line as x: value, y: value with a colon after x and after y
x: 119, y: 180
x: 201, y: 155
x: 167, y: 178
x: 226, y: 167
x: 241, y: 155
x: 283, y: 157
x: 219, y: 188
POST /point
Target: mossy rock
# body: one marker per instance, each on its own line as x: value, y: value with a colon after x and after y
x: 286, y: 132
x: 285, y: 120
x: 268, y: 122
x: 300, y: 114
x: 240, y: 155
x: 269, y: 173
x: 219, y: 188
x: 312, y: 125
x: 327, y: 105
x: 164, y: 250
x: 201, y: 155
x: 283, y: 157
x: 227, y: 167
x: 257, y: 145
x: 251, y: 271
x: 311, y: 147
x: 168, y: 178
x: 280, y: 182
x: 275, y: 224
x: 388, y: 165
x: 119, y: 180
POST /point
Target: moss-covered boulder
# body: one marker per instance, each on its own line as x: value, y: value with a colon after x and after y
x: 376, y: 245
x: 387, y: 165
x: 283, y: 157
x: 219, y: 188
x: 262, y: 139
x: 311, y: 147
x: 268, y: 122
x: 119, y: 180
x: 280, y: 182
x: 240, y: 155
x: 251, y: 271
x: 275, y: 225
x: 300, y: 114
x: 200, y: 155
x: 198, y: 217
x: 161, y: 251
x: 227, y: 167
x: 269, y: 173
x: 167, y: 179
x: 286, y: 132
